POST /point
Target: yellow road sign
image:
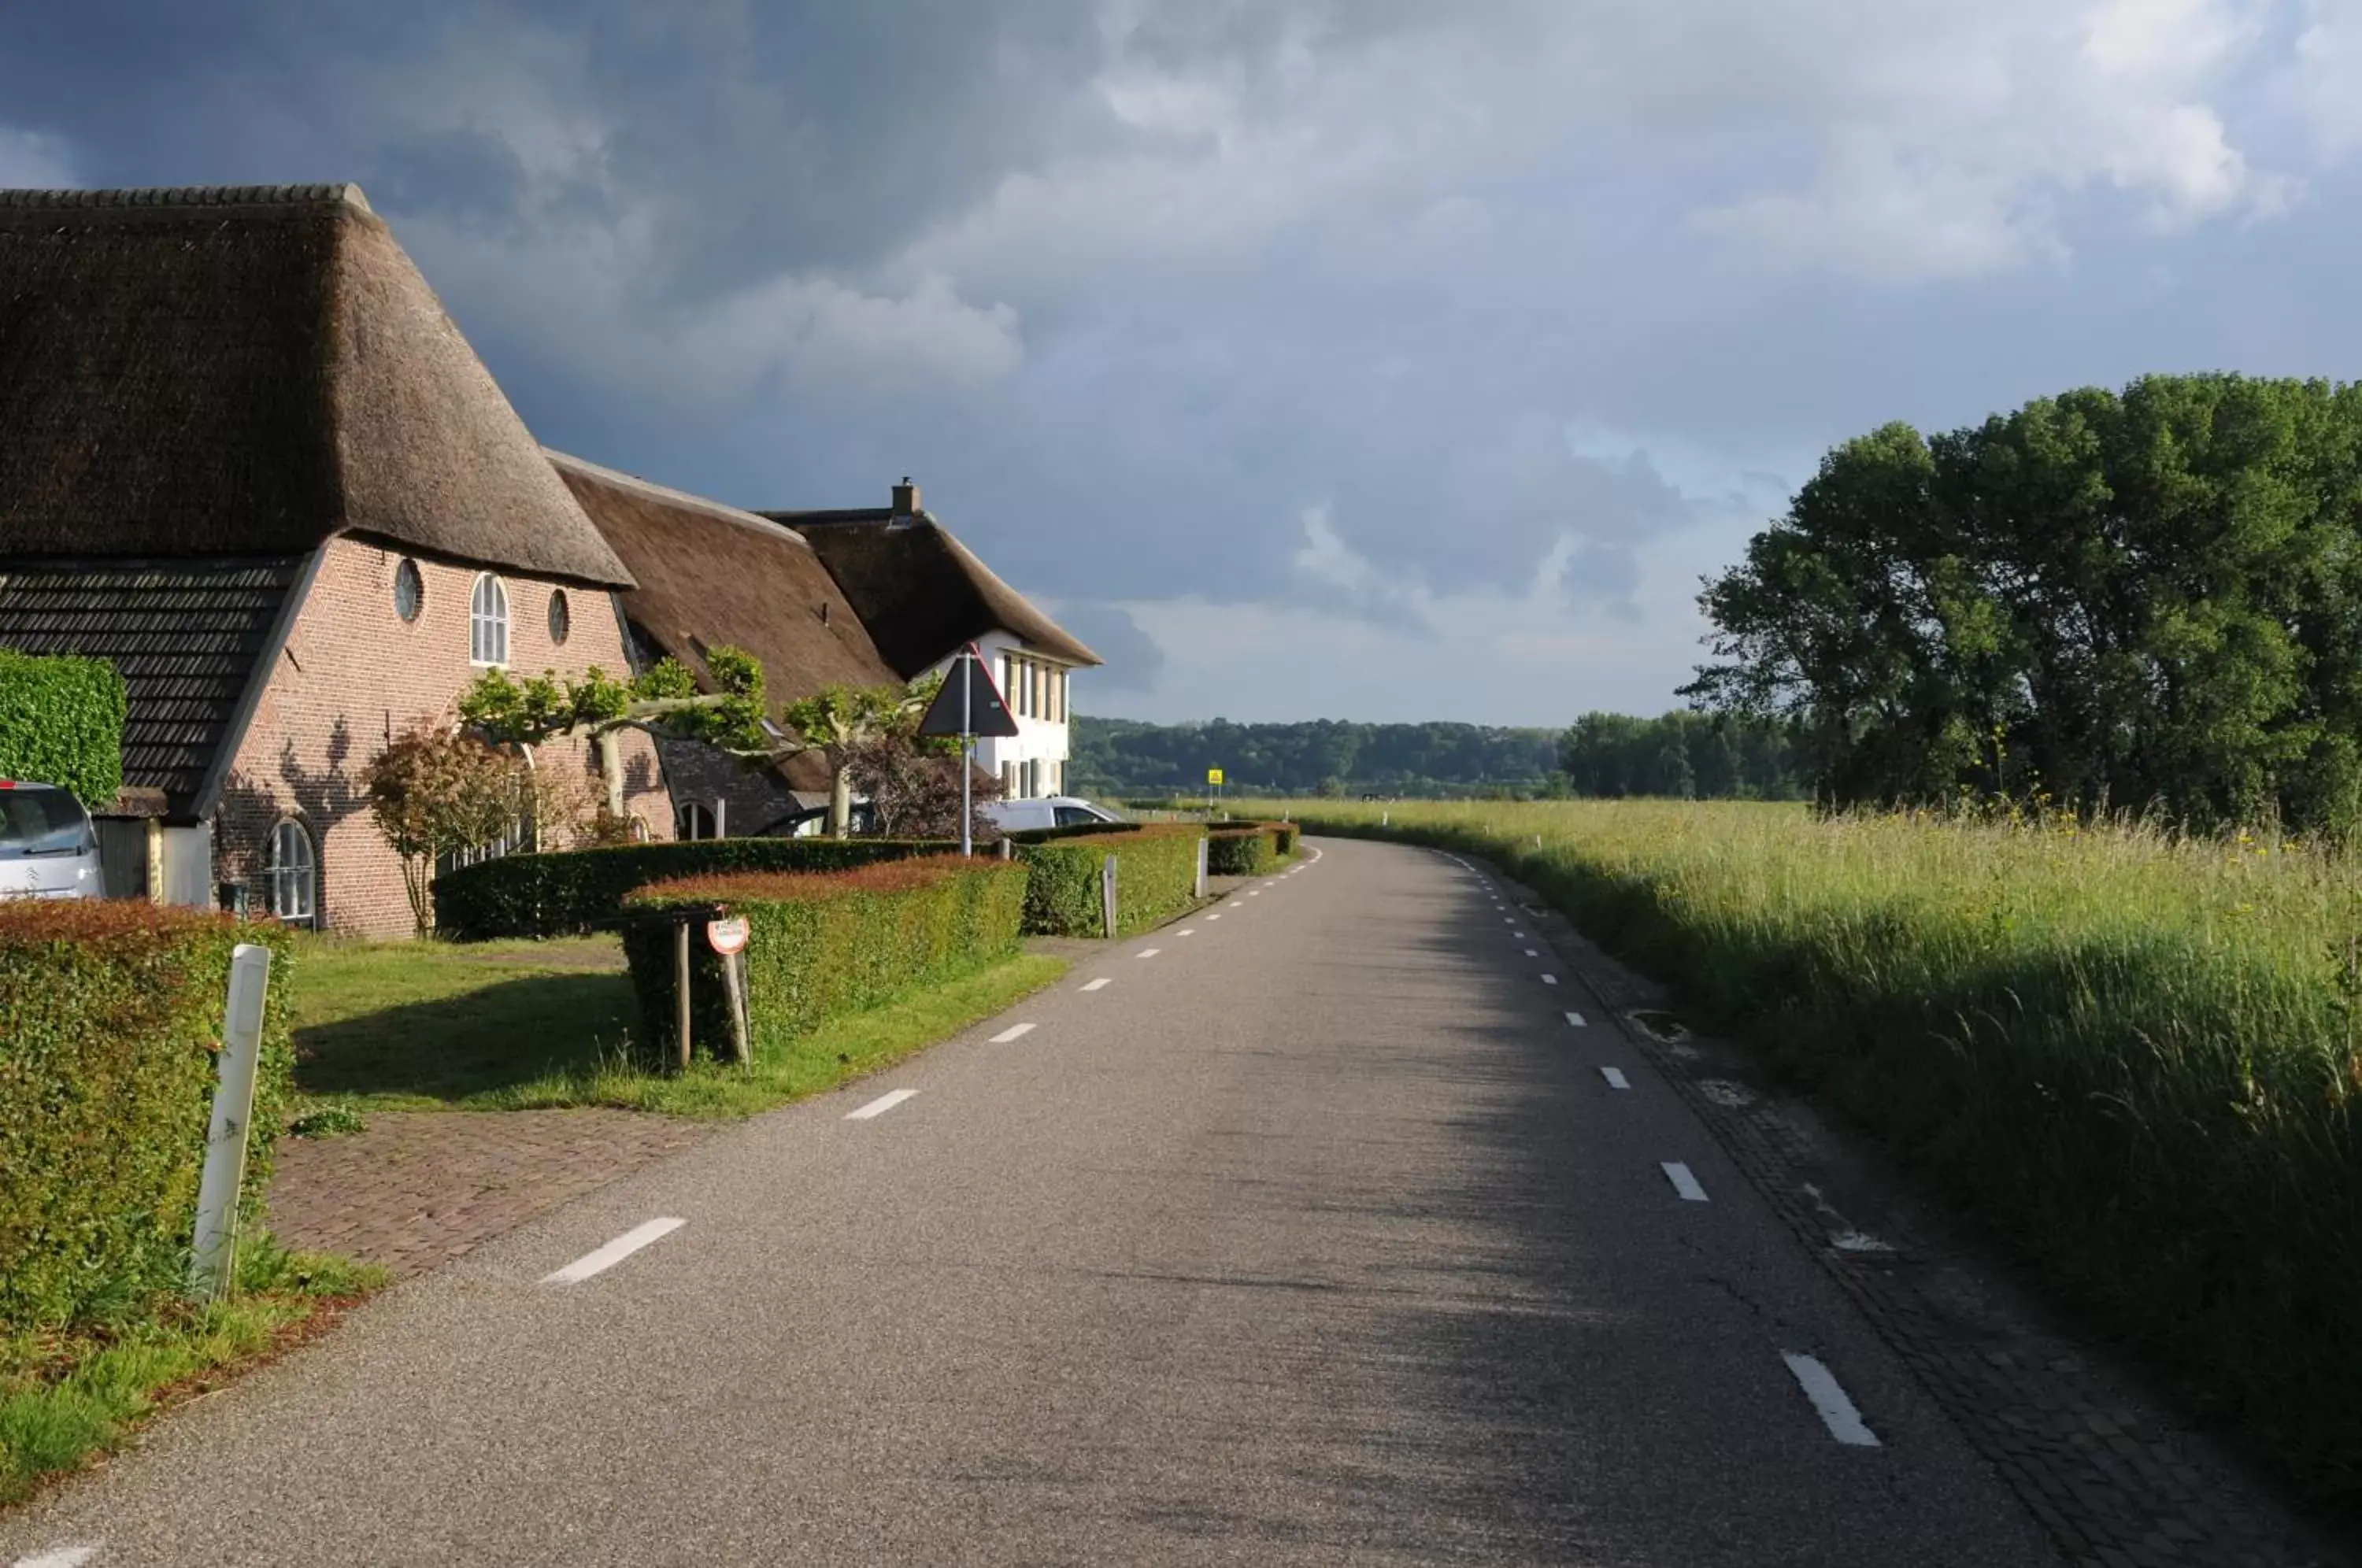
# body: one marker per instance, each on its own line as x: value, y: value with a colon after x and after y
x: 1213, y: 776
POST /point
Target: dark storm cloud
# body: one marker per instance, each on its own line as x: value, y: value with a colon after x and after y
x: 1414, y: 317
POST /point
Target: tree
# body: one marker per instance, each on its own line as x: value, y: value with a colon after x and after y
x: 837, y: 722
x: 663, y: 701
x: 2151, y: 597
x: 432, y: 792
x: 913, y: 786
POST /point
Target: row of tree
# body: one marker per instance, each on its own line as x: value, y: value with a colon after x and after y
x: 1130, y: 756
x: 2149, y: 600
x: 1684, y: 755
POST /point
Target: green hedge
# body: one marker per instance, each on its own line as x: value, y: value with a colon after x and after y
x: 61, y: 723
x: 579, y: 890
x: 824, y: 944
x: 1156, y: 878
x: 110, y: 1017
x: 1248, y: 849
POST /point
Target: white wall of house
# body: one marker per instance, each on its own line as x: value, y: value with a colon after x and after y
x: 1033, y: 763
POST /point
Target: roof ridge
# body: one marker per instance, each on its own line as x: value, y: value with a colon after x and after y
x: 346, y: 194
x: 722, y: 511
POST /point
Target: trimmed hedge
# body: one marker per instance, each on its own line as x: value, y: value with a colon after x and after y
x: 110, y: 1020
x: 1156, y: 877
x: 824, y: 944
x: 1248, y: 849
x: 61, y: 723
x: 567, y: 893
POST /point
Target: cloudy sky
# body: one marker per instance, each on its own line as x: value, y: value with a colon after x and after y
x: 1372, y: 359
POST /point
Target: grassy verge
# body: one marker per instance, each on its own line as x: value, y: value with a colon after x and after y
x: 65, y: 1397
x: 2139, y: 1057
x: 527, y: 1025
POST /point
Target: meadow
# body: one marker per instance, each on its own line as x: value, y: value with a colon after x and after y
x: 2134, y: 1054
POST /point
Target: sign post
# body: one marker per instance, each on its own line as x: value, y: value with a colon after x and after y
x: 727, y: 937
x: 969, y: 705
x: 1214, y: 779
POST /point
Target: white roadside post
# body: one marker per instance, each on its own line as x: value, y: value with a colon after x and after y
x: 213, y: 1265
x: 967, y: 752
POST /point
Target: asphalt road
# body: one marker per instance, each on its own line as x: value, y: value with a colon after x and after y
x: 1317, y: 1236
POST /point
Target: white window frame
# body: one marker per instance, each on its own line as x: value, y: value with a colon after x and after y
x: 488, y: 622
x: 284, y: 877
x: 686, y: 818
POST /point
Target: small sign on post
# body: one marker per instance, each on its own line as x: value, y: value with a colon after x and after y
x: 213, y: 1263
x: 728, y: 934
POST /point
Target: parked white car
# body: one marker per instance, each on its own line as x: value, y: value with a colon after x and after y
x: 1050, y: 811
x: 48, y: 848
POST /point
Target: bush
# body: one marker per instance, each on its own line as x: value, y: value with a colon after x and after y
x: 824, y: 944
x: 1156, y: 877
x: 61, y: 723
x: 1248, y: 849
x: 110, y: 1017
x: 577, y: 891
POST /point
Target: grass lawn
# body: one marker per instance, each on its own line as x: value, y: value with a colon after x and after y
x: 533, y: 1025
x: 67, y: 1396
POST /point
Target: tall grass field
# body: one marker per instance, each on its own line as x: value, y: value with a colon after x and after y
x: 2135, y: 1054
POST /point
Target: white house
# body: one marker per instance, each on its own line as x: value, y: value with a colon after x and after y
x: 923, y: 596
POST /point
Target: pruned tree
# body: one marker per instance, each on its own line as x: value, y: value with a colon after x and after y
x: 838, y: 722
x: 432, y: 792
x: 664, y: 701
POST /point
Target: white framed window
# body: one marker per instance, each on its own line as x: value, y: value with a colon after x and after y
x: 488, y: 622
x: 1008, y: 781
x: 291, y: 873
x: 693, y: 819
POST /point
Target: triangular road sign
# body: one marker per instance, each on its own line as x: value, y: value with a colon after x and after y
x: 986, y: 713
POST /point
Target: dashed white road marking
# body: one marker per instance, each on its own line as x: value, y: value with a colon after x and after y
x: 1683, y: 1183
x: 1014, y: 1032
x: 62, y: 1557
x: 1549, y: 979
x: 1575, y: 1019
x: 608, y: 1257
x: 1518, y: 934
x: 1213, y: 917
x: 1531, y: 953
x: 881, y: 1105
x: 1255, y: 892
x: 1615, y: 1078
x: 1836, y: 1410
x: 1097, y: 985
x: 1148, y: 953
x: 1186, y: 930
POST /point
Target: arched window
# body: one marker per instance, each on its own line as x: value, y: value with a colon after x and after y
x: 488, y: 622
x: 409, y: 590
x: 561, y: 619
x: 694, y: 820
x: 292, y: 873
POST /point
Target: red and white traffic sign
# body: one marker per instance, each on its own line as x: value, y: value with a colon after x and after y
x: 727, y: 936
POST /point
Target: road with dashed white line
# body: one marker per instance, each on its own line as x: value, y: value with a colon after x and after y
x: 1333, y: 1235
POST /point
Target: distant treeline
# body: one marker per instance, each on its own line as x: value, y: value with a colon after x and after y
x: 2149, y: 600
x: 1684, y: 755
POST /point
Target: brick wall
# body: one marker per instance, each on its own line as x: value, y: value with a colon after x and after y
x: 354, y: 674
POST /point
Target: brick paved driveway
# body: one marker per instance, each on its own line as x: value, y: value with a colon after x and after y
x: 423, y: 1187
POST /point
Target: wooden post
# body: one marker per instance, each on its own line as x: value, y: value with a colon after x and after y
x: 733, y: 978
x: 155, y: 860
x: 681, y: 986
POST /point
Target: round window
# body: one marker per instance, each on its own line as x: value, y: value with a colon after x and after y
x: 409, y: 591
x: 560, y: 621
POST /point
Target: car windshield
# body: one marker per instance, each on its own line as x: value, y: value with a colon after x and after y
x: 41, y: 820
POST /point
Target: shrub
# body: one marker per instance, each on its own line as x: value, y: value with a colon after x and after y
x: 577, y: 891
x: 110, y: 1017
x: 824, y: 944
x: 1248, y: 849
x: 61, y: 723
x: 1156, y: 877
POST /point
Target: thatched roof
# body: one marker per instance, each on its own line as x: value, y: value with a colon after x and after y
x: 711, y: 576
x: 920, y: 590
x: 246, y: 370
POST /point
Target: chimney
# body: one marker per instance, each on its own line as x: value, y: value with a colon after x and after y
x: 906, y: 498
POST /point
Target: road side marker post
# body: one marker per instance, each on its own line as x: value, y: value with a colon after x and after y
x: 1829, y: 1401
x: 212, y: 1259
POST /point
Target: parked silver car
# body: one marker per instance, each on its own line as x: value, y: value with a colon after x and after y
x: 48, y: 848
